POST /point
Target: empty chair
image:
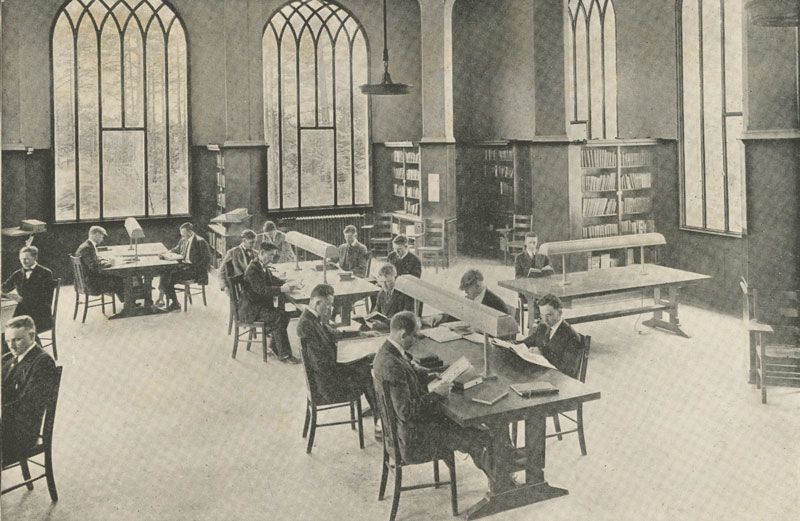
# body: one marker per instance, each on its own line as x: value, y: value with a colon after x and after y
x: 91, y: 299
x: 380, y: 234
x: 514, y: 241
x: 434, y: 247
x: 44, y: 446
x: 48, y: 336
x: 191, y: 288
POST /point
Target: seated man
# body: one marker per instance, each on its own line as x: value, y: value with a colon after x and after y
x: 195, y: 257
x: 335, y: 382
x: 96, y: 280
x: 531, y: 263
x: 556, y: 339
x: 423, y: 431
x: 34, y: 286
x: 405, y: 262
x: 257, y: 302
x: 390, y: 302
x: 353, y: 256
x: 278, y: 238
x: 238, y: 258
x: 29, y: 378
x: 474, y: 289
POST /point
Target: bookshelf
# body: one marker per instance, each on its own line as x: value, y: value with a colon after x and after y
x: 407, y: 195
x: 224, y: 232
x: 219, y: 170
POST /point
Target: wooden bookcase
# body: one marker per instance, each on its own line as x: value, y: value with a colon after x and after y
x: 224, y: 232
x: 407, y: 208
x: 219, y: 170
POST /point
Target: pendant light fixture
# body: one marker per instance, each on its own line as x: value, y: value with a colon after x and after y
x: 774, y: 13
x: 385, y: 87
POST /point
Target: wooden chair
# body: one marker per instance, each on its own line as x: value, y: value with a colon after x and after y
x: 44, y: 445
x: 380, y: 234
x: 81, y: 288
x: 366, y: 301
x: 514, y: 241
x: 315, y: 404
x: 188, y: 291
x: 434, y: 249
x: 48, y: 338
x: 580, y: 374
x: 392, y: 458
x: 255, y: 331
x: 772, y: 320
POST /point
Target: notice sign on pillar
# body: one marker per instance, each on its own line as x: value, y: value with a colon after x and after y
x: 433, y: 188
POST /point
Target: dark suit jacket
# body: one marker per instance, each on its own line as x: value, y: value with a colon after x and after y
x: 260, y: 290
x: 354, y: 258
x: 199, y: 257
x: 26, y: 390
x: 391, y: 305
x: 37, y: 295
x: 408, y: 265
x: 334, y: 382
x: 95, y: 279
x: 563, y: 350
x: 418, y: 416
x: 489, y: 299
x: 524, y: 262
x: 239, y: 259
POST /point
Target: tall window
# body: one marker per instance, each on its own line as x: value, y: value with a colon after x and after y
x: 710, y: 126
x: 591, y: 44
x: 316, y: 120
x: 120, y: 119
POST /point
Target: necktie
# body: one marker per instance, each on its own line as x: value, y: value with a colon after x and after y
x: 346, y: 261
x: 28, y: 273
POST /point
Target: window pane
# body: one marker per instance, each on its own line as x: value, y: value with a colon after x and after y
x: 569, y: 49
x: 360, y: 122
x: 64, y: 119
x: 308, y: 87
x: 123, y: 173
x: 156, y: 123
x: 111, y: 67
x: 610, y: 49
x: 271, y: 116
x: 344, y: 162
x: 735, y: 153
x: 88, y: 122
x: 317, y: 170
x: 712, y: 111
x: 325, y: 79
x: 596, y: 74
x: 581, y: 65
x: 134, y: 76
x: 178, y: 122
x: 289, y: 157
x: 692, y: 110
x: 733, y: 56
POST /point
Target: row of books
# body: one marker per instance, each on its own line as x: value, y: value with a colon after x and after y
x: 599, y: 158
x: 635, y: 157
x: 407, y: 156
x: 506, y: 188
x: 217, y: 242
x: 600, y: 182
x: 494, y: 154
x: 221, y: 199
x: 502, y: 171
x: 636, y: 204
x: 636, y: 180
x: 408, y: 191
x: 594, y: 206
x: 600, y: 230
x: 638, y: 226
x: 412, y: 208
x: 601, y: 261
x: 221, y: 180
x: 408, y: 175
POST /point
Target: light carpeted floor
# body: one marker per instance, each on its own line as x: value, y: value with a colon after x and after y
x: 156, y: 421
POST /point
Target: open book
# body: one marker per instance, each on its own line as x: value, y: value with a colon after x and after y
x: 375, y: 321
x: 451, y: 373
x: 529, y: 354
x: 536, y: 272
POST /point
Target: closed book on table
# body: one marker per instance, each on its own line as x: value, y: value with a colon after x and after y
x: 529, y: 389
x: 467, y: 380
x: 489, y: 395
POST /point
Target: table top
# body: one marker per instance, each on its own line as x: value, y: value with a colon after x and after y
x: 510, y: 369
x: 602, y: 281
x: 8, y: 308
x: 310, y: 277
x: 122, y: 257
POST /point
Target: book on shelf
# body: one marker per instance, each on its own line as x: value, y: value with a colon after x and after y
x: 598, y: 158
x: 412, y: 156
x: 412, y: 174
x: 499, y: 154
x: 637, y: 226
x: 598, y: 206
x: 596, y: 183
x: 636, y: 204
x: 636, y: 180
x: 489, y: 395
x: 529, y: 389
x: 600, y: 261
x: 600, y: 230
x: 635, y: 157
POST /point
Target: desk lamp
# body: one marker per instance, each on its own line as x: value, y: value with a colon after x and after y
x: 317, y: 247
x: 135, y: 233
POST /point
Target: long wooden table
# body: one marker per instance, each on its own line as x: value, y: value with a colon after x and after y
x: 534, y: 411
x: 614, y: 280
x: 134, y: 272
x: 347, y: 292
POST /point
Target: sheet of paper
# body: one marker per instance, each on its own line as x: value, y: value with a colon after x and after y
x: 358, y: 348
x: 474, y: 337
x: 440, y: 334
x: 450, y: 374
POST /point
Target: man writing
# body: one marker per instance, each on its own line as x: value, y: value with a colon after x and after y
x: 353, y: 256
x: 474, y: 289
x: 423, y: 431
x: 29, y: 377
x: 556, y: 339
x: 93, y: 265
x: 194, y: 256
x: 33, y: 286
x: 257, y: 303
x: 237, y: 258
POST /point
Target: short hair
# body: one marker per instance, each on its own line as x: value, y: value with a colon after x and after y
x: 268, y: 246
x: 550, y: 300
x: 350, y: 229
x: 33, y: 250
x: 269, y: 226
x: 531, y: 235
x: 187, y: 226
x: 387, y: 269
x: 98, y: 229
x: 322, y: 291
x: 469, y: 278
x: 405, y: 321
x: 22, y: 322
x: 248, y: 234
x: 401, y: 240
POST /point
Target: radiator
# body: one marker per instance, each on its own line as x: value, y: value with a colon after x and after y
x: 326, y: 228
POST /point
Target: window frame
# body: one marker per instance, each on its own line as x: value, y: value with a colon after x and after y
x: 336, y: 206
x: 189, y: 180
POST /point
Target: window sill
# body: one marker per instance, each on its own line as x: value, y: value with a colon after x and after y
x: 730, y: 235
x: 90, y: 222
x: 318, y: 210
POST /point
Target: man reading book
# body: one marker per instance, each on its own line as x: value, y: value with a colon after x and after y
x: 531, y: 263
x: 423, y: 431
x: 556, y: 339
x: 390, y: 302
x: 475, y: 289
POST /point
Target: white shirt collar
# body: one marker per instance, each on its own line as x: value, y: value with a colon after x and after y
x: 481, y: 295
x: 93, y: 243
x: 555, y: 328
x: 31, y: 268
x: 355, y: 243
x: 20, y: 357
x: 404, y: 255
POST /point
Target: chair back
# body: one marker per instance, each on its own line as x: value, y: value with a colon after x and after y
x: 79, y: 274
x: 586, y: 342
x: 748, y: 309
x: 234, y: 293
x: 434, y: 233
x: 383, y: 226
x: 50, y: 411
x: 311, y: 387
x: 369, y: 265
x: 388, y: 419
x: 520, y: 225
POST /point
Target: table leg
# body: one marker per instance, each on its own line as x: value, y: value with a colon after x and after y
x: 657, y: 320
x: 535, y: 488
x: 346, y: 310
x: 129, y: 308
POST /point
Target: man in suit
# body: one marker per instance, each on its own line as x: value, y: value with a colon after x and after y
x: 474, y: 288
x: 556, y: 339
x: 257, y: 302
x: 278, y: 238
x: 29, y: 378
x: 237, y: 258
x: 390, y: 302
x: 405, y: 262
x: 335, y: 382
x: 353, y: 256
x: 93, y: 265
x: 531, y: 263
x: 423, y: 431
x: 34, y: 286
x: 194, y: 255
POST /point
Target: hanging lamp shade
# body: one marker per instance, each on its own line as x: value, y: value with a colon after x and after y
x: 774, y: 13
x: 386, y: 87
